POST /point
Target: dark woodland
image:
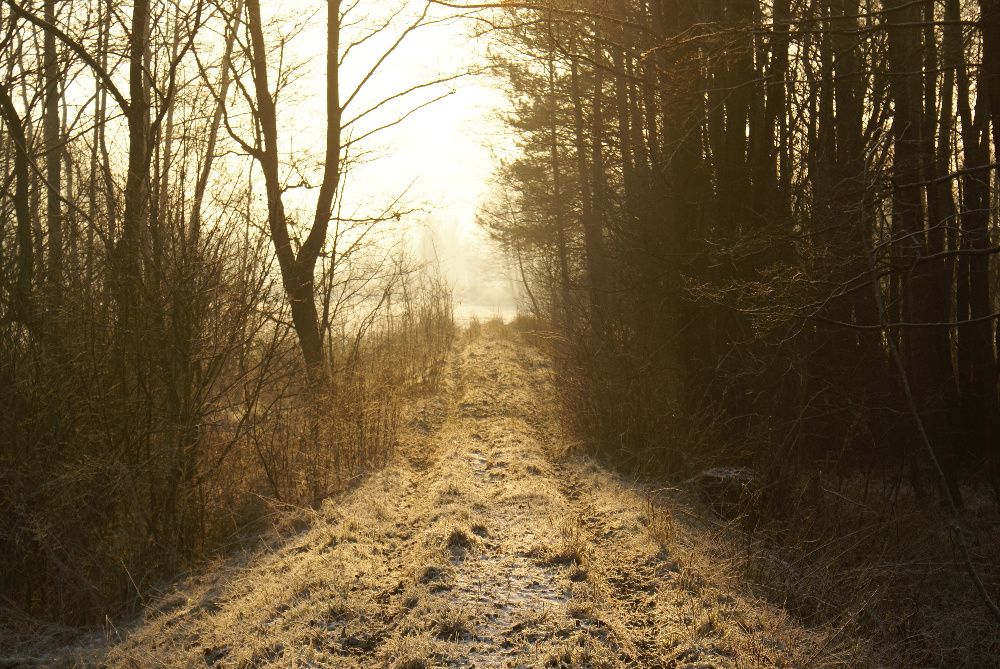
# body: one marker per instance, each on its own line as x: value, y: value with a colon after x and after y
x: 755, y: 244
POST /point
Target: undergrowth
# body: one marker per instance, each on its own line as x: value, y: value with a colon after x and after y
x: 107, y: 498
x: 838, y: 546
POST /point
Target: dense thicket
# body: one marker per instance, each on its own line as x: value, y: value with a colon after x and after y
x: 766, y: 232
x: 749, y: 208
x: 177, y: 351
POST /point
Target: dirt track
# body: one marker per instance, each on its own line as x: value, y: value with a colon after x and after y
x: 483, y: 544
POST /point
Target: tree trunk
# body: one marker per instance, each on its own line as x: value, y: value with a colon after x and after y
x: 926, y: 348
x: 194, y: 224
x: 22, y: 302
x: 593, y: 243
x: 990, y: 25
x: 137, y: 184
x: 297, y: 271
x: 558, y: 210
x: 53, y: 161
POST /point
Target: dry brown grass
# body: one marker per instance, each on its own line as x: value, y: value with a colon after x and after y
x: 864, y: 560
x: 885, y: 593
x: 449, y: 558
x: 568, y: 546
x: 474, y: 329
x: 411, y: 652
x: 267, y: 451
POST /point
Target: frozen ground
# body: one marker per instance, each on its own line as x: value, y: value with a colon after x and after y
x: 485, y: 543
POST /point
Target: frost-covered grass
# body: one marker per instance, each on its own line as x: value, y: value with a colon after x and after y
x: 480, y: 543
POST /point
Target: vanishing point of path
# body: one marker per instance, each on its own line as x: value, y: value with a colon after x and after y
x: 482, y: 544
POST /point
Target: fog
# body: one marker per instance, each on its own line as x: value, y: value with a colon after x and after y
x: 439, y: 161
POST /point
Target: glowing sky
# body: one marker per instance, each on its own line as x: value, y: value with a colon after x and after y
x: 442, y: 156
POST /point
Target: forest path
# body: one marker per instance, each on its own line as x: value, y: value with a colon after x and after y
x: 483, y: 544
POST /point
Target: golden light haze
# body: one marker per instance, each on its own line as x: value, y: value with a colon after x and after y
x: 439, y: 160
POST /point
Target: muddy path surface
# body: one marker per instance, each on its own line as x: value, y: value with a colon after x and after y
x: 485, y: 543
